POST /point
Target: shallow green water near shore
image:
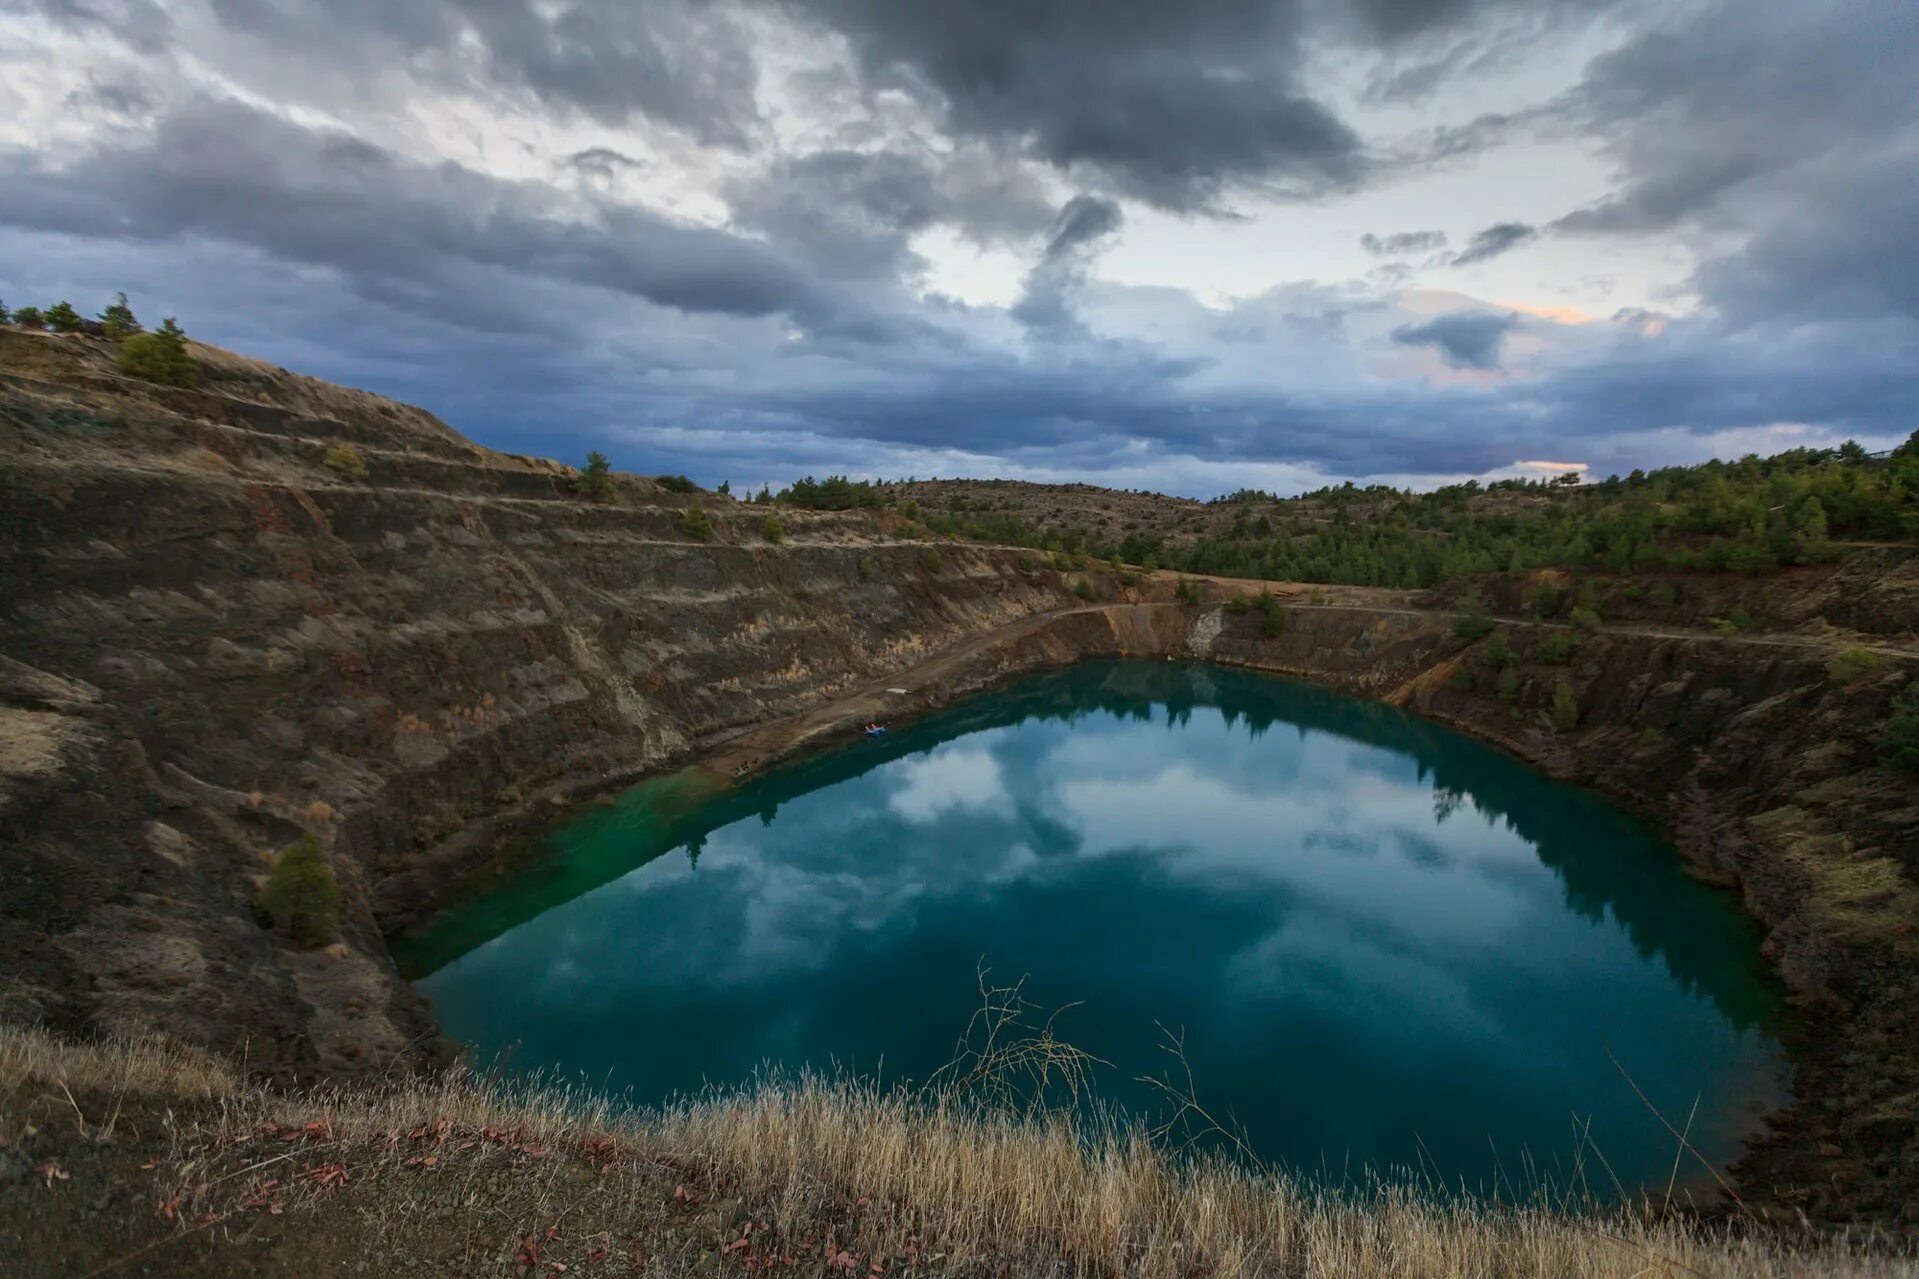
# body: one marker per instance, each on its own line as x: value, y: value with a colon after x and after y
x: 1387, y: 945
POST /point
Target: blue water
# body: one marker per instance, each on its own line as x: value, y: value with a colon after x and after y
x: 1386, y: 945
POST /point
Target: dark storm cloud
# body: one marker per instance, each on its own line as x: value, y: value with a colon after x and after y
x: 1167, y: 103
x: 398, y: 229
x: 1794, y: 128
x: 854, y: 212
x: 1501, y: 237
x: 1083, y: 224
x: 1402, y: 242
x: 685, y: 63
x: 1464, y: 340
x: 143, y: 24
x: 603, y: 162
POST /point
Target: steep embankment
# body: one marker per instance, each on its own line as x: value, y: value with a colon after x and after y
x: 214, y: 640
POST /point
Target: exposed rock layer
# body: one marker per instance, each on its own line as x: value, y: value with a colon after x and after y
x: 212, y: 640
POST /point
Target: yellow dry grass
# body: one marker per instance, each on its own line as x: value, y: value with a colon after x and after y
x: 928, y: 1181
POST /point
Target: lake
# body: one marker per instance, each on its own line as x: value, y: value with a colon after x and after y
x: 1385, y: 945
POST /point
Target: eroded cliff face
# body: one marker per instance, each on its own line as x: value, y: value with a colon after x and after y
x: 212, y: 641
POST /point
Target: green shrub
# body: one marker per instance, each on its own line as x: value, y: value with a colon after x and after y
x: 301, y: 897
x: 1546, y: 602
x: 1084, y: 589
x: 1474, y: 625
x: 6, y: 316
x: 930, y: 560
x: 1900, y: 739
x: 1498, y: 650
x: 1557, y: 647
x: 345, y: 461
x: 1664, y: 595
x: 865, y: 569
x: 1852, y: 664
x: 62, y: 318
x: 118, y: 319
x: 676, y: 484
x: 694, y: 524
x: 1238, y: 604
x: 596, y: 479
x: 1565, y: 708
x: 30, y: 317
x: 1272, y: 618
x: 1508, y: 683
x: 1462, y: 678
x: 160, y: 356
x: 1584, y: 616
x: 1185, y: 591
x: 772, y: 530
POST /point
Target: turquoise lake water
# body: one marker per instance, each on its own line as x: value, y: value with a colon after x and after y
x: 1387, y: 945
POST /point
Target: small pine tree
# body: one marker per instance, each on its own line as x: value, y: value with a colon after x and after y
x: 1498, y: 650
x: 596, y: 480
x: 1852, y: 664
x: 29, y: 317
x: 1508, y: 683
x: 1565, y: 708
x: 694, y: 524
x: 118, y: 319
x: 301, y: 897
x: 1272, y: 620
x: 725, y: 489
x: 1901, y: 733
x: 160, y: 356
x: 1584, y: 616
x: 62, y: 318
x: 6, y: 316
x: 772, y: 530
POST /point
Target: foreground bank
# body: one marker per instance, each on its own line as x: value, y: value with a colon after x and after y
x: 222, y: 632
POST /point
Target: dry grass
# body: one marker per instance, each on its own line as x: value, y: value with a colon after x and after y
x: 813, y: 1176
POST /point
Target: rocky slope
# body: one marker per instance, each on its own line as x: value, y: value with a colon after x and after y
x: 210, y: 640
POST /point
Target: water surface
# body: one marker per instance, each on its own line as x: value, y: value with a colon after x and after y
x: 1386, y: 944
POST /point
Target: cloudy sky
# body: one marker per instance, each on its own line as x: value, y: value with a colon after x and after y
x: 1188, y: 247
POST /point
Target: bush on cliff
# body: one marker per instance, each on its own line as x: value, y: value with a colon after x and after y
x: 301, y: 898
x: 1272, y: 618
x: 1901, y: 734
x: 118, y: 321
x: 772, y: 530
x: 62, y: 318
x: 694, y: 524
x: 29, y: 317
x: 1852, y: 664
x: 676, y: 484
x: 1565, y: 709
x: 596, y: 481
x: 345, y: 461
x: 160, y: 356
x: 1557, y: 647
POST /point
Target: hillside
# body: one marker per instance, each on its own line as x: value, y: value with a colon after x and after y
x: 269, y: 608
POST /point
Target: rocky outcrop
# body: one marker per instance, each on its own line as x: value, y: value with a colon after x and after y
x: 217, y: 633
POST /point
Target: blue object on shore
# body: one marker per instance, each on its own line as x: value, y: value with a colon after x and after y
x: 876, y: 730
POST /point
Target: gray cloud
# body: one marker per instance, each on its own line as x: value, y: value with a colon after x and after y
x: 1501, y: 237
x: 1464, y: 340
x: 1083, y: 224
x: 685, y: 63
x: 1169, y: 104
x: 1402, y: 242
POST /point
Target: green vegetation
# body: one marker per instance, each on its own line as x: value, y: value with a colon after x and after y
x: 596, y: 480
x: 30, y: 317
x: 1473, y: 622
x: 1584, y: 617
x: 160, y: 356
x: 301, y: 898
x: 772, y: 530
x: 676, y: 484
x: 1900, y: 739
x: 1185, y: 591
x: 1085, y: 590
x: 118, y: 321
x: 1508, y: 683
x: 1746, y: 516
x: 1736, y: 619
x: 345, y: 460
x: 1565, y: 708
x: 1556, y: 648
x: 835, y: 493
x: 1498, y: 650
x: 930, y: 560
x: 62, y: 318
x: 1852, y: 664
x: 1272, y: 618
x: 694, y: 524
x: 865, y: 569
